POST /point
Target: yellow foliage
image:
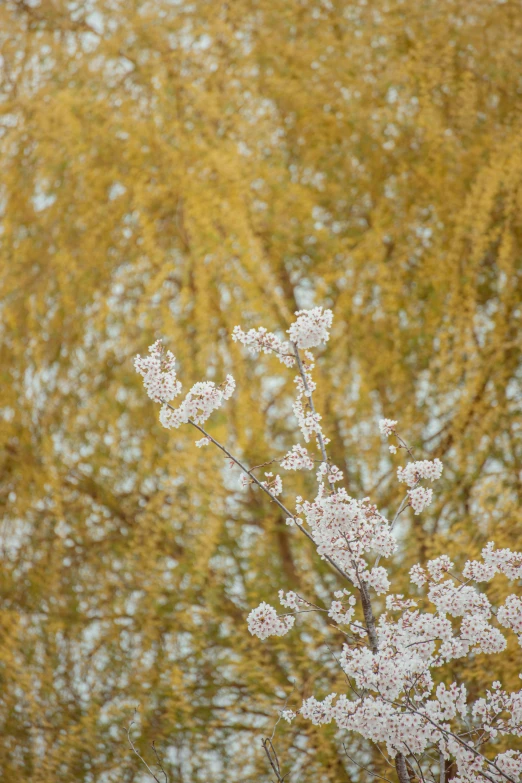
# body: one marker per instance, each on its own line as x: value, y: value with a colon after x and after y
x: 171, y: 170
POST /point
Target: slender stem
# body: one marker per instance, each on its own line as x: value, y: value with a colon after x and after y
x: 363, y: 588
x: 160, y: 765
x: 309, y: 397
x: 270, y: 494
x: 274, y: 762
x: 373, y: 774
x: 140, y: 756
x: 369, y: 618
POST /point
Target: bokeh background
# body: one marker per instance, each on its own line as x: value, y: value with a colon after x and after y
x: 171, y: 169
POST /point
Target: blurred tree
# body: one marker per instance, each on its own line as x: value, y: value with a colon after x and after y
x: 172, y: 169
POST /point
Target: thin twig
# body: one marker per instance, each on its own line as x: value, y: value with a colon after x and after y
x: 131, y: 743
x: 160, y: 765
x: 270, y: 494
x: 373, y: 774
x: 274, y: 762
x: 281, y: 712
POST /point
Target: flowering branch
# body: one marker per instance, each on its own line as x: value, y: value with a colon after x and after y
x: 390, y: 661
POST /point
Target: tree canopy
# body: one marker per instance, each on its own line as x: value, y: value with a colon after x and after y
x: 172, y: 170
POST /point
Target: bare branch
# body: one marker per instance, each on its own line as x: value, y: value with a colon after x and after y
x: 138, y: 754
x: 373, y: 774
x: 160, y: 765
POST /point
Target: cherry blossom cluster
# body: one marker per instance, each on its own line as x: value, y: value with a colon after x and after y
x: 274, y: 484
x: 329, y: 472
x: 159, y: 374
x: 345, y: 529
x: 308, y: 421
x: 297, y: 458
x: 161, y: 384
x: 387, y: 427
x: 311, y: 327
x: 423, y: 469
x: 420, y: 497
x: 264, y: 621
x: 262, y: 341
x: 204, y: 398
x: 342, y: 609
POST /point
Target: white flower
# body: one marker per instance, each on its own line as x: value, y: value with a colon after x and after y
x: 423, y: 469
x: 297, y: 459
x: 387, y: 427
x: 262, y: 341
x: 420, y: 498
x: 264, y: 622
x: 202, y: 399
x: 159, y: 375
x: 311, y: 327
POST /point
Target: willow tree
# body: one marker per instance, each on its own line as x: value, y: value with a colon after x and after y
x: 173, y: 170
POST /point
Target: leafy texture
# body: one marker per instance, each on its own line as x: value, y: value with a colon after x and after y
x: 172, y: 170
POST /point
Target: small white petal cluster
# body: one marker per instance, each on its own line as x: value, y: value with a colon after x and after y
x: 510, y: 762
x: 510, y: 615
x: 504, y: 561
x: 398, y: 603
x: 378, y: 579
x: 262, y: 341
x: 264, y: 622
x: 438, y: 567
x: 274, y: 484
x: 309, y: 423
x: 202, y: 442
x: 159, y: 374
x: 311, y: 327
x: 423, y: 469
x: 318, y: 712
x: 339, y: 611
x: 344, y: 529
x: 161, y: 384
x: 329, y: 472
x: 418, y: 575
x: 420, y: 497
x: 499, y: 713
x: 297, y: 459
x: 204, y: 398
x: 334, y: 474
x: 291, y: 600
x: 387, y: 427
x: 459, y: 601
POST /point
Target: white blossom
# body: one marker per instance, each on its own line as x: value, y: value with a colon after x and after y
x: 420, y: 497
x: 387, y: 427
x: 159, y: 375
x: 204, y: 398
x: 264, y: 622
x: 297, y: 459
x: 423, y: 469
x: 311, y: 327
